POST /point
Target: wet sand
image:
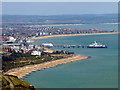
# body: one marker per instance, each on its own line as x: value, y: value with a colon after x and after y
x: 43, y: 37
x: 22, y: 71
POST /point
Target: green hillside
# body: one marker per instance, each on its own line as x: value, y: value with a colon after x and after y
x: 10, y: 81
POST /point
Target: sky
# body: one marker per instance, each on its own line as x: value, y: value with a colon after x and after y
x: 58, y: 8
x: 60, y: 0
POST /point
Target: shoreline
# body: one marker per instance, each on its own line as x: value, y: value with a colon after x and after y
x: 111, y: 23
x: 23, y: 71
x: 43, y: 37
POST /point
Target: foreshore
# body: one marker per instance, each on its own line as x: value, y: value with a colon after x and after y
x: 43, y: 37
x: 22, y: 71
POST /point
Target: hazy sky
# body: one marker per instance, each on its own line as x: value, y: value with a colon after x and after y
x: 60, y: 0
x: 58, y: 8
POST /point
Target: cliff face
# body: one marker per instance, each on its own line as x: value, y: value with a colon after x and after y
x: 13, y: 82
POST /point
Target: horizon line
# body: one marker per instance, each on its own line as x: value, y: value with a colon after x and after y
x: 61, y: 14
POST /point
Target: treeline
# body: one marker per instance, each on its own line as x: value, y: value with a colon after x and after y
x: 16, y: 60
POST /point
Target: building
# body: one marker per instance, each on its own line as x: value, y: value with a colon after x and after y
x: 31, y: 46
x: 11, y: 39
x: 38, y: 53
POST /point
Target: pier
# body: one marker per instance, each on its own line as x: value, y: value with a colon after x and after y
x: 93, y: 45
x: 67, y: 46
x: 70, y: 46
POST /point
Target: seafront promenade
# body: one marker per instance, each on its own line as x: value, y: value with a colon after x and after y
x: 50, y: 36
x: 22, y: 71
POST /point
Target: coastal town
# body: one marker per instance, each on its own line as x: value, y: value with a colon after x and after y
x: 30, y: 31
x: 18, y: 38
x: 20, y: 52
x: 18, y: 49
x: 58, y: 45
x: 21, y: 56
x: 24, y: 47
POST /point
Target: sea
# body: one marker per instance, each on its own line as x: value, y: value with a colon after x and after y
x: 98, y: 71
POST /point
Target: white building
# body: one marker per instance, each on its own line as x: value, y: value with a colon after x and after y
x: 43, y: 33
x: 30, y: 46
x: 36, y: 53
x: 11, y: 39
x: 16, y: 48
x: 28, y: 41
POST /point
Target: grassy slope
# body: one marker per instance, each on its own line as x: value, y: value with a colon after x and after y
x: 18, y: 83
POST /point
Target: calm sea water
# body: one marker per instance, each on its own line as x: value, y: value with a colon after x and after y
x: 99, y: 71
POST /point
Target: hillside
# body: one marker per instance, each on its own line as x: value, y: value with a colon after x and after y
x: 10, y: 81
